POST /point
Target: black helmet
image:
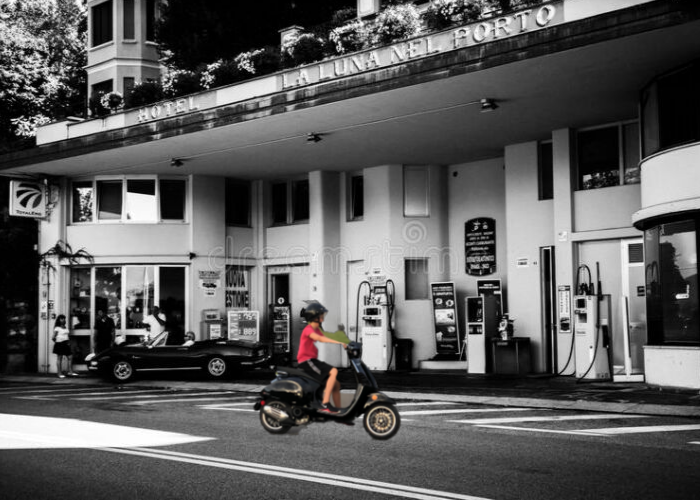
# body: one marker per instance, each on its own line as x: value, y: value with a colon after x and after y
x: 313, y: 311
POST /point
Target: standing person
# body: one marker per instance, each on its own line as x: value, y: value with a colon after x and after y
x: 307, y: 355
x: 61, y: 347
x: 104, y: 332
x: 155, y: 323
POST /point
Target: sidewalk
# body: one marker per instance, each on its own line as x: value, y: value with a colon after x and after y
x: 535, y: 391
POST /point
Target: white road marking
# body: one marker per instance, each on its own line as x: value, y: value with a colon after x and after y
x: 554, y: 418
x: 180, y: 394
x: 646, y: 429
x: 30, y: 432
x: 427, y: 403
x: 113, y: 393
x: 469, y: 410
x: 532, y: 429
x: 230, y: 406
x: 300, y: 475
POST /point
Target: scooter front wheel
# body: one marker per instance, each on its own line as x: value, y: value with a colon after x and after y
x: 382, y: 421
x: 271, y: 424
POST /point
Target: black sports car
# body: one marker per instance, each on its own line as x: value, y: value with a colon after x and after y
x: 218, y: 357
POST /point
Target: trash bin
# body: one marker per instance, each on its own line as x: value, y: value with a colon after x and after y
x: 404, y: 354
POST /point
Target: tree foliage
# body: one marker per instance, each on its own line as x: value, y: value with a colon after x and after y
x: 42, y: 55
x: 192, y: 34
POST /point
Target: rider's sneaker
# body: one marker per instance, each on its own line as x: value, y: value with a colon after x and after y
x: 328, y: 408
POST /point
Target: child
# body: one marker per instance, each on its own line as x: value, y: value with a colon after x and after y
x: 62, y: 348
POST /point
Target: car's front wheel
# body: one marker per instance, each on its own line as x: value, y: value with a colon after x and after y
x: 122, y: 371
x: 216, y: 367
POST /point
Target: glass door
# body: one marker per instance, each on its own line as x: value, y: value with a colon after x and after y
x: 630, y: 366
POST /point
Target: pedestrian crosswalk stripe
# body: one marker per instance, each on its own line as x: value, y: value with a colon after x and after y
x: 468, y: 410
x: 553, y: 418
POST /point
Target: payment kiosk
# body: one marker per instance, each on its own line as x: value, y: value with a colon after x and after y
x: 482, y: 326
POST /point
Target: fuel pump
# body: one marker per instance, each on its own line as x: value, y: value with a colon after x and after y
x: 565, y: 340
x: 375, y: 323
x: 592, y: 318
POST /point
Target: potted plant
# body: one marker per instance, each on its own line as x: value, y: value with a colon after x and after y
x: 396, y: 22
x: 349, y: 37
x: 302, y: 48
x: 144, y: 93
x: 442, y: 14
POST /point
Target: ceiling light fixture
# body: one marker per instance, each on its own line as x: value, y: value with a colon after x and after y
x: 488, y: 105
x: 176, y: 162
x: 313, y: 137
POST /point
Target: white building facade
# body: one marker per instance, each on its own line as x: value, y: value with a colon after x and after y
x: 302, y: 184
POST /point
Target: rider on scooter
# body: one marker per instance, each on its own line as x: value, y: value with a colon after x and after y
x: 307, y: 355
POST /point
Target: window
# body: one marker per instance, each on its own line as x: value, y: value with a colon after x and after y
x: 290, y: 202
x: 83, y: 194
x: 102, y: 23
x: 141, y: 200
x: 416, y: 192
x: 237, y: 203
x: 128, y: 200
x: 279, y: 203
x: 300, y: 199
x: 172, y: 199
x: 129, y: 31
x: 672, y: 283
x: 109, y: 200
x: 607, y: 156
x: 126, y: 293
x: 129, y: 83
x: 237, y: 287
x: 356, y: 208
x: 545, y: 171
x: 416, y: 278
x: 151, y: 18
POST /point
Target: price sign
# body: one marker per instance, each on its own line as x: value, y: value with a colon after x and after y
x: 244, y: 325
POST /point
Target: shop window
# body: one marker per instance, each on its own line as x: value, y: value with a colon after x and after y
x: 545, y: 171
x: 356, y: 205
x: 672, y: 283
x: 416, y: 192
x: 290, y: 202
x: 129, y: 200
x: 108, y: 287
x: 607, y: 156
x: 416, y: 279
x: 102, y: 23
x: 238, y: 203
x: 129, y: 31
x: 237, y: 287
x: 139, y: 288
x: 141, y: 200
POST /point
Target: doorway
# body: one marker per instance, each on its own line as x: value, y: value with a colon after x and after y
x: 290, y: 283
x: 548, y: 288
x: 630, y: 367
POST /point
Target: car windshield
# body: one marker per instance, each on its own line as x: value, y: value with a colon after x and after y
x: 158, y: 340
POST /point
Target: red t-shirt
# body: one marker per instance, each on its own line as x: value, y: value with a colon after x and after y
x: 307, y: 347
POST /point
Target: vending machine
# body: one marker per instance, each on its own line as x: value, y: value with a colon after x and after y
x: 212, y: 325
x: 592, y: 333
x: 482, y: 326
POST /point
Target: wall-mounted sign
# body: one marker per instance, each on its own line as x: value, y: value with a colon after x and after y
x: 210, y: 282
x: 27, y: 199
x: 480, y: 246
x: 244, y: 325
x: 445, y: 318
x: 487, y: 30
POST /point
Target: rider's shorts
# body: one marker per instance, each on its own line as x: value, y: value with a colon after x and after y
x: 316, y: 368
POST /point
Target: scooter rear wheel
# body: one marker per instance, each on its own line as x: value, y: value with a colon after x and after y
x: 272, y: 425
x: 382, y: 421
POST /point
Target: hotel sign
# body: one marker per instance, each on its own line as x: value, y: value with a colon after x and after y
x: 487, y: 30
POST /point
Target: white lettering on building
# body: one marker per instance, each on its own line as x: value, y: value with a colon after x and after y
x: 167, y: 109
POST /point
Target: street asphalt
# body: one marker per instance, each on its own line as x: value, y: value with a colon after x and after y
x: 534, y: 391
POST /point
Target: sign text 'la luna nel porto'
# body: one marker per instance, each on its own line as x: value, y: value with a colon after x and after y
x: 474, y: 34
